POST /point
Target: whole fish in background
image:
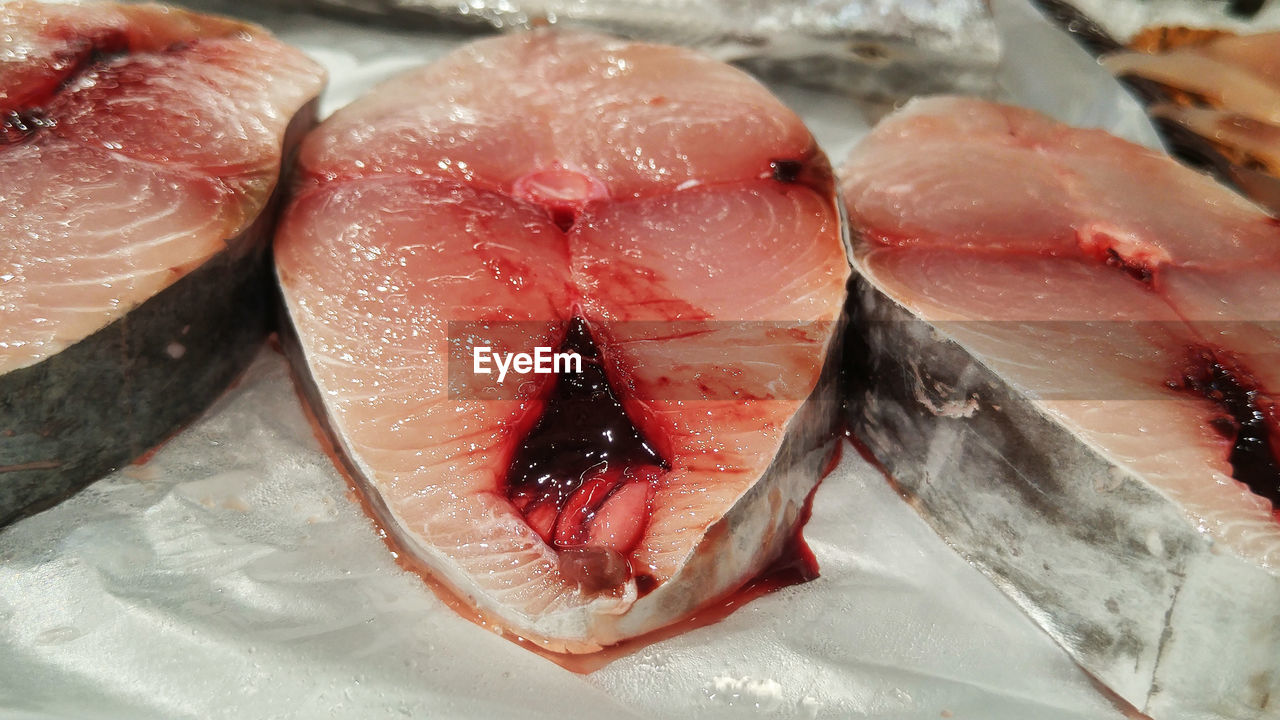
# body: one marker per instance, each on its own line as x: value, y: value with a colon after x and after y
x: 1064, y: 351
x: 657, y: 212
x: 140, y: 147
x: 878, y: 49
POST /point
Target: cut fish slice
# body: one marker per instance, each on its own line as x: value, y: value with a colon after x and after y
x: 1083, y: 403
x: 655, y: 212
x: 140, y: 146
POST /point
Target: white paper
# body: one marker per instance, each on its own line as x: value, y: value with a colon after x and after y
x: 231, y: 576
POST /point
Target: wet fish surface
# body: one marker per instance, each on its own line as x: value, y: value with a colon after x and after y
x: 1064, y: 353
x: 139, y: 149
x: 655, y: 212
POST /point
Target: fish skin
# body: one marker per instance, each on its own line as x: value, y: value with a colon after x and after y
x: 1080, y: 500
x: 103, y: 356
x: 878, y: 50
x: 431, y: 462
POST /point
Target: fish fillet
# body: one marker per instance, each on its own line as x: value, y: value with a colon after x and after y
x: 656, y: 210
x: 1065, y: 352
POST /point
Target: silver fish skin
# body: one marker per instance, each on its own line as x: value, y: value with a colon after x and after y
x: 880, y: 49
x: 1035, y: 401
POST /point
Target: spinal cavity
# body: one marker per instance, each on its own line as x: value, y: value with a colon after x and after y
x: 561, y: 190
x: 584, y: 478
x: 1123, y: 249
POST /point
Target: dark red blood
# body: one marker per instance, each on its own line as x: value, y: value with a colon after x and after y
x: 786, y: 171
x: 645, y: 584
x: 1138, y: 271
x: 25, y: 113
x: 797, y: 563
x: 809, y: 169
x: 1220, y: 379
x: 15, y: 127
x: 564, y: 217
x: 582, y: 451
x: 582, y: 429
x: 594, y: 569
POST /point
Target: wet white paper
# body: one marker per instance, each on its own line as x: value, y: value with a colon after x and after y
x: 231, y: 576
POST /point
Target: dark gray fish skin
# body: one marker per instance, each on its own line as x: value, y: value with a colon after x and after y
x: 110, y: 398
x: 107, y: 399
x: 1080, y: 26
x: 1109, y: 567
x: 1201, y: 152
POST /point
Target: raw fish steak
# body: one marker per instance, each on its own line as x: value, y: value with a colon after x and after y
x: 139, y: 150
x: 1066, y: 356
x: 655, y: 212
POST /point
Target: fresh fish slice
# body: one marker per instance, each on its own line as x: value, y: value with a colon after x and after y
x: 655, y: 211
x: 874, y: 48
x: 140, y: 148
x: 1091, y: 420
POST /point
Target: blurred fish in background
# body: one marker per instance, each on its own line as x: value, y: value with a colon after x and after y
x: 884, y: 50
x: 1208, y: 73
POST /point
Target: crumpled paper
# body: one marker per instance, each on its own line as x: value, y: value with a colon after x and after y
x: 231, y: 576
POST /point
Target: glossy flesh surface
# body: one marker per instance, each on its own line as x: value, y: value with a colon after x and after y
x: 137, y: 141
x: 525, y: 182
x: 1090, y: 272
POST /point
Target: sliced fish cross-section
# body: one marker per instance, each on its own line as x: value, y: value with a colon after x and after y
x: 655, y: 211
x: 139, y: 149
